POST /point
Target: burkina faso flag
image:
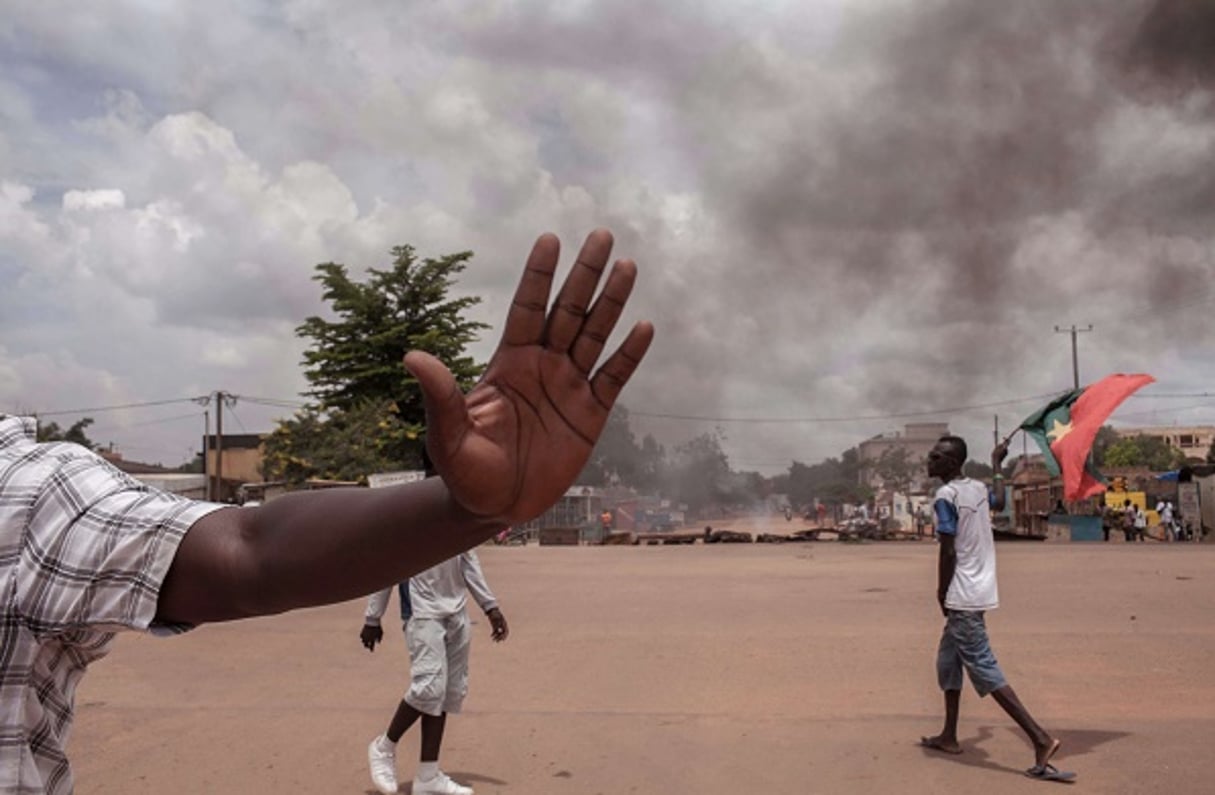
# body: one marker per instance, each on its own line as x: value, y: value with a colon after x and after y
x: 1066, y: 427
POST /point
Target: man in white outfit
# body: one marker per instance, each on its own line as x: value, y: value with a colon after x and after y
x: 437, y: 633
x: 966, y: 590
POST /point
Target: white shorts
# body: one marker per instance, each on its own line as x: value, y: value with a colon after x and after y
x: 438, y: 661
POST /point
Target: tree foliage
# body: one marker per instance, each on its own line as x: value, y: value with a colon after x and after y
x: 51, y: 432
x: 700, y: 473
x: 357, y: 357
x: 342, y: 445
x: 1106, y: 437
x: 896, y: 468
x: 367, y: 414
x: 1145, y: 451
x: 833, y: 481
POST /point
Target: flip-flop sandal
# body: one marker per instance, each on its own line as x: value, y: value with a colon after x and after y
x: 1049, y: 772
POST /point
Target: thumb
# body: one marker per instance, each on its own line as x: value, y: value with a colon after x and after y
x: 441, y: 396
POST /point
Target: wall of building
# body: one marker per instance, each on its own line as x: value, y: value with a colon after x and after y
x: 1193, y: 440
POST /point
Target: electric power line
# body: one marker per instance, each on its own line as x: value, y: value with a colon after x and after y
x: 97, y: 409
x: 175, y: 418
x: 288, y: 403
x: 1124, y: 415
x: 857, y: 418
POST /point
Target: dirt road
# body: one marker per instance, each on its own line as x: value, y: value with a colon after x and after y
x: 795, y: 668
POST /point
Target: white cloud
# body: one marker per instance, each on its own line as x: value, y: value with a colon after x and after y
x: 94, y: 200
x: 837, y: 211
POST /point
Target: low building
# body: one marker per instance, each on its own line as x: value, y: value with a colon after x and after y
x: 192, y: 485
x: 236, y: 458
x: 1193, y: 440
x: 580, y: 506
x: 914, y: 443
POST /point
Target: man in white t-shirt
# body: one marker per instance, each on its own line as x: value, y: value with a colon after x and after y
x: 435, y: 620
x: 966, y: 589
x: 1165, y: 509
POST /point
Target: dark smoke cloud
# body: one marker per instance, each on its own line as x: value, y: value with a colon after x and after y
x: 903, y: 216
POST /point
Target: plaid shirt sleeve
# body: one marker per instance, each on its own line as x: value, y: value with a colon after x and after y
x: 98, y: 545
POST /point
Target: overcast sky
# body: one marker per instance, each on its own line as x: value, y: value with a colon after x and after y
x: 840, y: 210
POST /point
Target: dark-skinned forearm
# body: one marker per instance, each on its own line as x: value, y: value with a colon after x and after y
x: 315, y: 548
x: 947, y: 563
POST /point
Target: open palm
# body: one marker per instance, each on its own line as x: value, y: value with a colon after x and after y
x: 512, y: 446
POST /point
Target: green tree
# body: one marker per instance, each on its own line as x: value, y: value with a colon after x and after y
x: 616, y: 457
x: 1106, y: 437
x: 895, y: 468
x: 340, y: 445
x: 195, y: 466
x: 368, y: 414
x: 51, y: 432
x: 701, y: 472
x: 651, y: 466
x: 1145, y: 451
x: 834, y: 480
x: 357, y: 357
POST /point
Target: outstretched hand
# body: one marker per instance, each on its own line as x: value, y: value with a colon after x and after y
x: 511, y: 447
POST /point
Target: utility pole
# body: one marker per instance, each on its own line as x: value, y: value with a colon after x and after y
x: 219, y: 446
x: 1075, y: 361
x: 206, y: 445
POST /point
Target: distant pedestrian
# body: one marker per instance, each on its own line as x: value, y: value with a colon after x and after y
x: 1165, y: 509
x: 1140, y: 524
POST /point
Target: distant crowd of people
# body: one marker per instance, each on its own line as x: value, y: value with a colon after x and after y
x: 1132, y: 521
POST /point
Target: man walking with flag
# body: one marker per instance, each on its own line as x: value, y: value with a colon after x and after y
x: 966, y: 589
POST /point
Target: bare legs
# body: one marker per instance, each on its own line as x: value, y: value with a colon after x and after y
x: 432, y: 729
x: 947, y: 740
x: 1044, y: 745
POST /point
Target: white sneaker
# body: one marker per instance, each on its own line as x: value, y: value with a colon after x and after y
x: 439, y: 785
x: 383, y: 764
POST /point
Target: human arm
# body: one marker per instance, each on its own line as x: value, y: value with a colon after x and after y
x: 474, y: 579
x: 505, y: 452
x: 372, y: 633
x: 998, y: 454
x: 947, y: 560
x: 947, y: 563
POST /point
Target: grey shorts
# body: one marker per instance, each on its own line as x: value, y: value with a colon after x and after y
x: 438, y: 663
x: 964, y: 644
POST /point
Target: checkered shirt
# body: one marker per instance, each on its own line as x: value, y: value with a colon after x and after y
x: 83, y: 552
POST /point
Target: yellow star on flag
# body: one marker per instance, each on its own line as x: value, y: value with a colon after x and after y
x: 1059, y: 430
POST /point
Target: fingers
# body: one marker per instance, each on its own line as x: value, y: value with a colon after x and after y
x: 617, y: 370
x: 603, y: 315
x: 446, y: 411
x: 526, y: 318
x: 568, y: 314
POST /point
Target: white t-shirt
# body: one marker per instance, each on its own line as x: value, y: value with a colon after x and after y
x: 962, y: 508
x: 440, y: 591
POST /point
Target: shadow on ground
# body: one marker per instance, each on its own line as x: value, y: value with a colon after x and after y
x: 1076, y: 742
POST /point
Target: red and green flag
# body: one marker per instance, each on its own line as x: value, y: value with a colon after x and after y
x: 1066, y: 427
